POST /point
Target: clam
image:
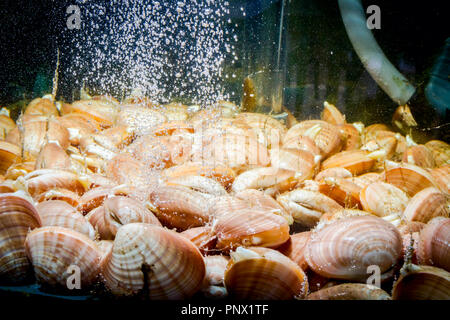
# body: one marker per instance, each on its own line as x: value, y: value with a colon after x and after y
x: 202, y: 237
x: 301, y: 162
x: 350, y: 291
x: 265, y: 178
x: 356, y: 161
x: 295, y: 247
x: 153, y: 261
x: 229, y: 205
x: 326, y: 136
x: 9, y: 154
x: 250, y: 227
x: 78, y: 126
x: 335, y: 172
x: 199, y: 183
x: 19, y: 169
x: 434, y: 244
x: 154, y: 152
x: 61, y: 214
x: 408, y: 177
x: 441, y: 176
x: 96, y: 218
x: 180, y: 207
x: 68, y: 196
x: 306, y: 207
x: 365, y: 179
x: 419, y: 155
x: 120, y: 210
x: 41, y: 106
x: 96, y: 196
x: 52, y: 156
x: 6, y: 125
x: 422, y: 283
x: 351, y: 137
x: 125, y: 169
x: 440, y: 151
x: 343, y: 191
x: 57, y: 252
x: 427, y: 204
x: 342, y: 214
x: 383, y: 199
x: 104, y: 113
x: 17, y: 217
x: 345, y: 248
x: 256, y: 198
x: 264, y: 274
x: 213, y: 284
x: 43, y: 180
x: 371, y: 131
x: 331, y: 114
x: 175, y: 111
x: 302, y: 143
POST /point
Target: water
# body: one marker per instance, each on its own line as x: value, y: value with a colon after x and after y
x: 169, y: 50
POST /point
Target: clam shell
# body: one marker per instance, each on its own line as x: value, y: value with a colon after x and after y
x: 295, y: 247
x: 41, y: 106
x: 331, y: 114
x: 52, y: 156
x: 68, y: 196
x: 180, y: 207
x: 422, y: 283
x: 434, y: 244
x: 40, y: 181
x: 264, y: 274
x: 427, y: 204
x: 153, y: 261
x: 95, y: 197
x: 383, y: 199
x: 355, y: 161
x: 264, y: 178
x: 333, y: 173
x: 441, y: 176
x: 343, y: 191
x: 326, y: 136
x: 9, y: 154
x: 345, y: 248
x: 125, y: 169
x: 302, y: 143
x: 61, y: 214
x: 102, y: 112
x: 419, y: 155
x: 202, y: 237
x: 120, y: 210
x: 6, y: 125
x: 250, y: 227
x: 213, y: 284
x: 97, y: 219
x: 300, y: 161
x: 365, y: 179
x: 351, y: 137
x: 199, y: 183
x: 350, y: 291
x: 19, y: 169
x: 410, y: 178
x: 17, y: 217
x: 306, y: 207
x: 440, y: 151
x: 52, y: 250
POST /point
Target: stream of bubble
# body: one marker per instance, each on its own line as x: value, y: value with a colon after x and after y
x: 168, y: 50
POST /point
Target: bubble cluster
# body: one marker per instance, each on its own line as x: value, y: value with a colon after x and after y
x: 168, y: 50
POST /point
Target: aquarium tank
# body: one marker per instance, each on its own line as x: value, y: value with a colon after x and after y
x: 223, y: 150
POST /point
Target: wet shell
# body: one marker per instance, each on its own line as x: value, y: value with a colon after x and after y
x: 302, y: 162
x: 331, y: 114
x: 419, y: 155
x: 213, y: 284
x: 434, y: 244
x: 202, y: 184
x: 410, y: 178
x: 52, y: 156
x: 383, y: 199
x: 202, y: 237
x: 43, y: 180
x: 120, y: 210
x: 19, y: 169
x: 17, y: 217
x: 306, y: 207
x: 345, y: 248
x: 343, y: 191
x: 355, y: 161
x: 125, y: 169
x: 350, y: 291
x: 427, y: 204
x: 61, y: 214
x: 180, y: 207
x: 263, y: 178
x: 333, y: 173
x: 97, y: 219
x: 264, y: 274
x: 250, y: 227
x: 95, y: 197
x: 295, y: 247
x: 365, y: 179
x: 9, y: 155
x: 154, y: 262
x: 302, y: 143
x: 326, y: 136
x: 351, y: 137
x: 343, y: 213
x: 6, y: 125
x: 41, y: 106
x: 422, y: 283
x: 102, y: 112
x: 440, y: 150
x: 68, y: 196
x: 441, y: 176
x: 56, y: 252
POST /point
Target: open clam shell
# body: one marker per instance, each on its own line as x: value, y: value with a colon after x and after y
x: 57, y: 252
x: 17, y: 217
x: 422, y: 283
x: 345, y: 248
x: 350, y: 291
x: 264, y: 274
x: 153, y: 261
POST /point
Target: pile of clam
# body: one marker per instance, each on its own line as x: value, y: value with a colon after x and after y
x: 174, y: 201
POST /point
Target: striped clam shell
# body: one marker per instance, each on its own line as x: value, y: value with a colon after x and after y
x: 383, y: 199
x: 350, y: 291
x: 434, y: 244
x: 264, y: 274
x: 356, y: 161
x: 213, y: 284
x: 408, y: 177
x: 440, y: 150
x: 345, y: 248
x: 295, y: 247
x: 17, y: 217
x: 56, y: 251
x: 61, y: 214
x: 153, y: 261
x: 202, y: 237
x: 427, y: 204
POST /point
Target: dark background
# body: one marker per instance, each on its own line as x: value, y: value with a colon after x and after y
x: 412, y: 36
